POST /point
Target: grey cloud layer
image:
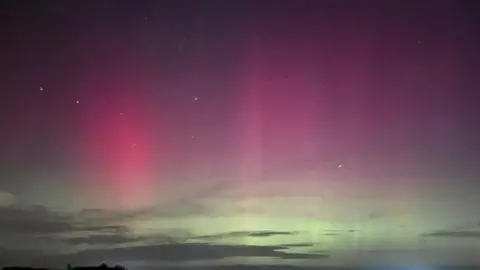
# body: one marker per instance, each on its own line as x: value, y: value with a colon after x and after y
x: 97, y: 228
x: 457, y: 234
x: 185, y: 252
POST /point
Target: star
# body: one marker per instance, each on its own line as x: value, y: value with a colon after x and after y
x: 195, y: 98
x: 41, y: 88
x: 133, y: 145
x: 193, y: 137
x: 340, y: 166
x: 78, y: 101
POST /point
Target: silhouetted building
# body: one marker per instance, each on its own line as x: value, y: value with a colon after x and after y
x: 100, y: 267
x: 22, y: 268
x: 69, y: 267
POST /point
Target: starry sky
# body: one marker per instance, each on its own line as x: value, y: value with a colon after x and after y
x: 237, y: 134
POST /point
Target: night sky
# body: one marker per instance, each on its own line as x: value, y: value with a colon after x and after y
x: 218, y: 133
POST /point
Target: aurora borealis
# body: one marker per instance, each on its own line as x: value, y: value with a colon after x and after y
x: 215, y: 133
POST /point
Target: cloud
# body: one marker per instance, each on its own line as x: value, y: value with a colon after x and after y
x: 458, y: 234
x: 185, y: 252
x: 386, y: 213
x: 273, y: 267
x: 102, y: 239
x: 88, y: 227
x: 107, y: 239
x: 119, y: 245
x: 18, y: 257
x: 185, y: 202
x: 299, y: 245
x: 339, y: 231
x: 33, y: 220
x: 270, y: 233
x: 119, y: 239
x: 36, y: 226
x: 115, y: 237
x: 236, y: 234
x: 7, y: 199
x: 179, y: 208
x: 38, y: 220
x: 104, y: 216
x: 104, y: 228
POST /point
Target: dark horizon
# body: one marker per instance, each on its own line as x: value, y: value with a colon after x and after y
x: 284, y: 267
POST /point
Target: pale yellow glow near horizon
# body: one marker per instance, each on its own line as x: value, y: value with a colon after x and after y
x: 325, y: 235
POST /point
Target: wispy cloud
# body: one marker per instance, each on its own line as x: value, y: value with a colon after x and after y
x: 108, y: 238
x: 186, y: 202
x: 40, y: 221
x: 185, y: 252
x: 271, y: 233
x: 6, y: 198
x: 299, y: 245
x: 219, y: 236
x: 339, y: 231
x: 34, y: 220
x: 103, y: 239
x: 115, y: 239
x: 458, y: 234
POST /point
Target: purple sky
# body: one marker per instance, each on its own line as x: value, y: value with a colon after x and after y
x: 283, y: 132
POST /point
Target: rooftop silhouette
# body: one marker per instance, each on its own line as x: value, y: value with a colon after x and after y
x: 70, y: 267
